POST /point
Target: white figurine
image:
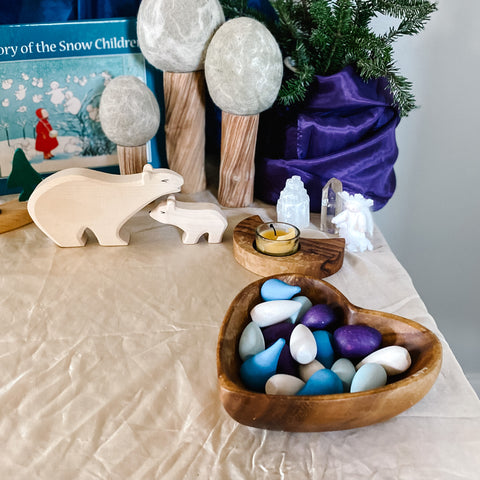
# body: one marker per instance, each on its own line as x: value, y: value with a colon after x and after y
x: 355, y: 222
x: 195, y: 219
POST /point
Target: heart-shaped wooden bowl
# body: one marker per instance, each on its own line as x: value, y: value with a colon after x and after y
x: 325, y: 412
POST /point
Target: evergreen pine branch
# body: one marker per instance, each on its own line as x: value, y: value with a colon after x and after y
x: 321, y: 37
x: 409, y: 9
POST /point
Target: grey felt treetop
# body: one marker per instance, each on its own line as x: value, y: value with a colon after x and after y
x: 243, y: 67
x: 129, y: 112
x: 174, y: 34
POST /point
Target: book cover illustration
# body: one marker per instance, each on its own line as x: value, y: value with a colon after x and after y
x: 51, y: 79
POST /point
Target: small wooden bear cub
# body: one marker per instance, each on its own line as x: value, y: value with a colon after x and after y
x: 195, y: 219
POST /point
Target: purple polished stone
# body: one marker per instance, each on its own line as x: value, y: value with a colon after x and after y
x: 279, y: 330
x: 319, y: 317
x: 286, y: 363
x: 356, y: 341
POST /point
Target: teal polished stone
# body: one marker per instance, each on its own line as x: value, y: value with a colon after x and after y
x: 345, y: 369
x: 325, y: 353
x: 368, y: 377
x: 251, y: 341
x: 306, y: 305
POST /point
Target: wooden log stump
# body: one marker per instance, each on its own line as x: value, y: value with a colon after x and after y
x: 237, y: 165
x: 131, y: 159
x: 185, y: 127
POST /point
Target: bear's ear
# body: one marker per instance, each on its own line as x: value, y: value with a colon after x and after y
x: 148, y: 167
x: 171, y: 202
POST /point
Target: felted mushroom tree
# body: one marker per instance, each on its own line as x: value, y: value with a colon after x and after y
x: 243, y: 70
x: 173, y: 36
x: 130, y: 117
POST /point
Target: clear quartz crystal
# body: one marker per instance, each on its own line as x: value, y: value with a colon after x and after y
x: 331, y: 210
x: 331, y: 205
x: 293, y: 206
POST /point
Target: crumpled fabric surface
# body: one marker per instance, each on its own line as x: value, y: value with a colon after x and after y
x: 345, y: 129
x: 108, y: 368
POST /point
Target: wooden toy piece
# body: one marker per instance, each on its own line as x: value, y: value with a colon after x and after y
x: 237, y: 167
x: 173, y: 36
x: 243, y: 71
x: 23, y: 175
x: 195, y: 219
x: 131, y: 159
x: 13, y: 214
x: 316, y: 257
x: 68, y: 202
x: 185, y: 127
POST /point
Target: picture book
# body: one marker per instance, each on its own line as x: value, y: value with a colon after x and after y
x: 51, y: 80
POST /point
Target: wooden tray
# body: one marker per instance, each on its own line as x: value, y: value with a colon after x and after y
x: 315, y: 257
x: 14, y: 214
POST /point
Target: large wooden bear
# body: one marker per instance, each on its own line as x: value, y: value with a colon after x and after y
x: 68, y: 202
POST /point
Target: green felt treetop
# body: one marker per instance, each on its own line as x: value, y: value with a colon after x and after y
x: 321, y: 37
x: 23, y: 175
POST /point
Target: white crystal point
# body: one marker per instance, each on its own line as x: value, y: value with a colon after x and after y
x: 303, y: 347
x: 306, y: 371
x: 394, y: 359
x: 251, y: 341
x: 283, y: 384
x: 274, y: 311
x: 293, y: 206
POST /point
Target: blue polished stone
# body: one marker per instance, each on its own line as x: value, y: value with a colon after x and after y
x: 256, y: 370
x: 275, y: 289
x: 322, y: 382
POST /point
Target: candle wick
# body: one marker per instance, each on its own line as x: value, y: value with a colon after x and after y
x: 274, y: 231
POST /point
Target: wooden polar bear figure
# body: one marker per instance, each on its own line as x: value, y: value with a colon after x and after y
x: 68, y: 202
x: 195, y: 219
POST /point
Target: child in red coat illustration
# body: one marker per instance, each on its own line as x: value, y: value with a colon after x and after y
x: 46, y: 136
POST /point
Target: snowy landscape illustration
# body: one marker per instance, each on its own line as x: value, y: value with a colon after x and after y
x: 59, y: 100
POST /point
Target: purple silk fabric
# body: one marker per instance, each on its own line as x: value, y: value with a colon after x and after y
x: 345, y: 129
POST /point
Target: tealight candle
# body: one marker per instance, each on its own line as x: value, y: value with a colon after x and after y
x: 277, y: 239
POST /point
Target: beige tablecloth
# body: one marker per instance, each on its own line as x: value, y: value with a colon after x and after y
x: 107, y: 368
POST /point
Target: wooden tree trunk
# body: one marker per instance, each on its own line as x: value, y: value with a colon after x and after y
x: 185, y: 127
x: 131, y: 159
x: 237, y: 164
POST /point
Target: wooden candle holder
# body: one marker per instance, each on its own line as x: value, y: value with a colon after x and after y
x: 185, y: 127
x: 316, y: 257
x: 237, y: 165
